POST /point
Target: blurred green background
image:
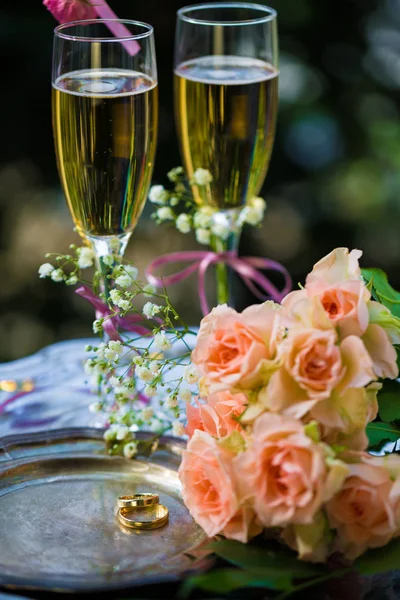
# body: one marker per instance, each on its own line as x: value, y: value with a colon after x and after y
x: 334, y: 178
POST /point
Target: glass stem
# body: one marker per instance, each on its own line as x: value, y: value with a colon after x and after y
x: 224, y: 274
x: 105, y: 246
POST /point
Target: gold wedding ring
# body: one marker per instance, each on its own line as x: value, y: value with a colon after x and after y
x: 141, y: 511
x: 138, y: 500
x: 149, y: 517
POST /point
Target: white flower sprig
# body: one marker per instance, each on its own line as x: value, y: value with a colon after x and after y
x: 137, y: 377
x: 179, y: 207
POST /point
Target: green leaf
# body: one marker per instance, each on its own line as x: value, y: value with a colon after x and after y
x: 389, y: 406
x: 379, y: 560
x: 377, y: 281
x: 379, y: 433
x: 223, y: 581
x: 269, y: 561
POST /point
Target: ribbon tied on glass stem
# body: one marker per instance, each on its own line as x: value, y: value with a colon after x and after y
x: 247, y: 267
x: 112, y: 320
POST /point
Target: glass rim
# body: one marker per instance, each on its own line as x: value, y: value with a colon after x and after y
x: 269, y: 13
x: 58, y: 31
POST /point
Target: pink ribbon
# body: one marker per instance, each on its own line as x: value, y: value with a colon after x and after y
x: 112, y: 322
x: 247, y: 267
x: 117, y: 28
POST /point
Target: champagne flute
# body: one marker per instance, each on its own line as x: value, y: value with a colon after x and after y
x: 105, y: 114
x: 226, y: 100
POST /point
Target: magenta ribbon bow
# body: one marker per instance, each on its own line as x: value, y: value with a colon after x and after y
x: 247, y: 267
x: 111, y: 321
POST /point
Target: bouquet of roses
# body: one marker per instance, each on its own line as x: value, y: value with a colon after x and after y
x: 278, y: 433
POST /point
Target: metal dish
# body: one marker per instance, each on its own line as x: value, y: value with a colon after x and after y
x: 58, y: 527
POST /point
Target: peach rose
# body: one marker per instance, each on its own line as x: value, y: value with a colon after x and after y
x: 218, y: 416
x: 210, y: 493
x: 284, y: 472
x: 365, y: 511
x: 298, y: 310
x: 345, y: 304
x: 314, y: 365
x: 194, y: 420
x: 337, y: 266
x: 344, y: 416
x: 313, y: 361
x: 383, y: 354
x: 237, y: 351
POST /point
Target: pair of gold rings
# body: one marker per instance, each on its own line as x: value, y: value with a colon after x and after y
x: 142, y: 511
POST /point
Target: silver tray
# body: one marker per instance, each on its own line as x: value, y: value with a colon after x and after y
x: 58, y: 527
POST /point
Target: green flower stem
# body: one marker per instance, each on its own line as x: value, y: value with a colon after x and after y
x: 224, y: 273
x: 104, y: 285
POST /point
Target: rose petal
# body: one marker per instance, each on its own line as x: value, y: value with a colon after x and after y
x: 382, y: 353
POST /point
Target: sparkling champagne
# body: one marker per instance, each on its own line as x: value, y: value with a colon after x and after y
x: 105, y: 128
x: 225, y: 110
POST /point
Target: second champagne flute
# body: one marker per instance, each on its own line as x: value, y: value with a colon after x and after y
x: 226, y: 100
x: 105, y: 113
